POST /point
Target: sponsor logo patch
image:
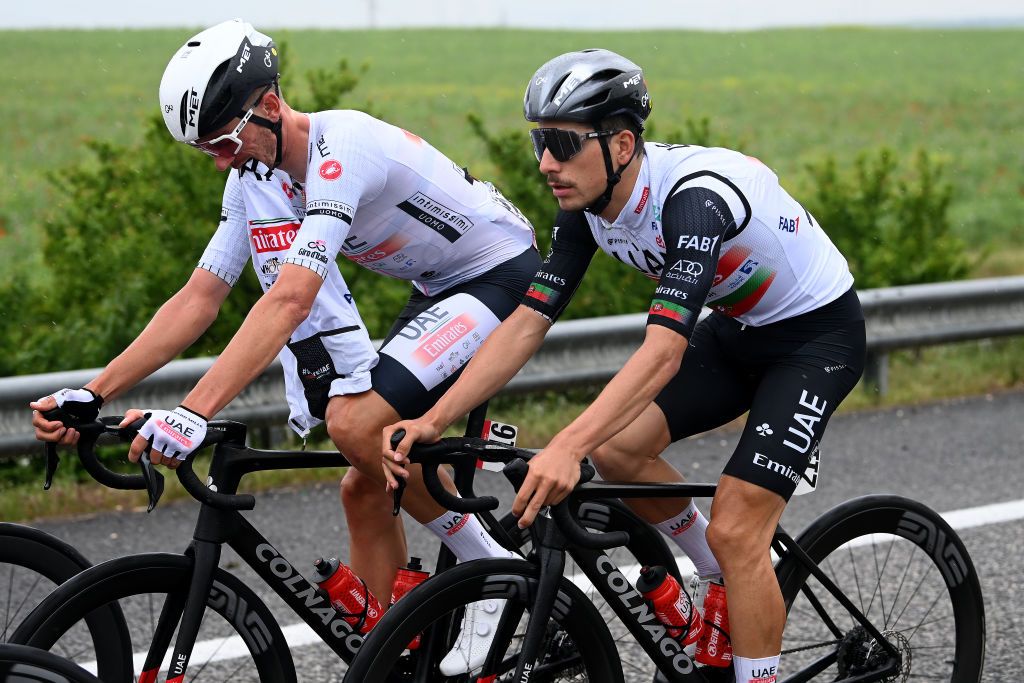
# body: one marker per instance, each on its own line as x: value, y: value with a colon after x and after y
x: 330, y: 169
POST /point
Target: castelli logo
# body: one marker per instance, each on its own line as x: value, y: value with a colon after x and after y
x: 330, y: 170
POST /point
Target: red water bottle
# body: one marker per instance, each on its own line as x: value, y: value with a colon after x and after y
x: 408, y: 577
x: 672, y: 605
x: 348, y: 593
x: 714, y: 647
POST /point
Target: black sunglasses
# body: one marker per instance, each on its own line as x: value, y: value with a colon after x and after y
x: 563, y: 144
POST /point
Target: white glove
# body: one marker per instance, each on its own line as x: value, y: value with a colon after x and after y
x: 175, y: 433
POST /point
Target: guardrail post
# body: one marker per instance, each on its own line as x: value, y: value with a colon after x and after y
x: 876, y: 372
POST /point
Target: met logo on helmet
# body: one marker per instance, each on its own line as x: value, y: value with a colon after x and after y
x: 635, y: 80
x: 245, y: 57
x: 189, y: 109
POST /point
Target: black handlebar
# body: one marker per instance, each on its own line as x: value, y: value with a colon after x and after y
x: 452, y: 449
x: 150, y: 479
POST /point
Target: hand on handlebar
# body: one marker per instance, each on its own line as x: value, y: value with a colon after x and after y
x: 80, y: 405
x: 396, y: 461
x: 552, y: 476
x: 170, y: 436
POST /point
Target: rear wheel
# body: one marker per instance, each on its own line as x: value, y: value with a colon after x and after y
x: 908, y: 572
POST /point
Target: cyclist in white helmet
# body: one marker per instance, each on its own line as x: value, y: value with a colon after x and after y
x: 784, y: 344
x: 384, y: 198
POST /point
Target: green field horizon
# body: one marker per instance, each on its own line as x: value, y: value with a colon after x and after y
x: 789, y: 97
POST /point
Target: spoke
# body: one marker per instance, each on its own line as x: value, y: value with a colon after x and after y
x: 209, y: 659
x: 903, y: 579
x: 28, y: 593
x: 912, y: 595
x: 7, y: 615
x: 856, y: 577
x: 834, y: 576
x: 921, y: 623
x: 879, y: 572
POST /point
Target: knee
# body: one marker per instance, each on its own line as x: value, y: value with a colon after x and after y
x: 733, y: 543
x: 618, y: 463
x: 357, y: 490
x: 355, y: 442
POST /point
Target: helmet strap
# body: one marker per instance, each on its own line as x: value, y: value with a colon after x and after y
x: 601, y: 203
x: 275, y: 128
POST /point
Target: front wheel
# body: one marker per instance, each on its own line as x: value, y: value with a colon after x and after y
x: 245, y: 643
x: 907, y: 571
x: 472, y: 620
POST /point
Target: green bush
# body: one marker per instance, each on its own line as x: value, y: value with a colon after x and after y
x: 892, y: 230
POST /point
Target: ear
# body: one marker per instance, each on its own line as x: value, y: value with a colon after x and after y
x: 271, y: 105
x: 623, y: 145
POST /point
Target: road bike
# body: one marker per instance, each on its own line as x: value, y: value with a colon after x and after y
x: 880, y: 588
x: 187, y: 613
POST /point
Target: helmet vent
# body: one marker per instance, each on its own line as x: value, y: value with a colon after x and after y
x: 193, y: 43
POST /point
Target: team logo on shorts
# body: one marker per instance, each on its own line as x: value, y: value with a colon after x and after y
x: 330, y: 169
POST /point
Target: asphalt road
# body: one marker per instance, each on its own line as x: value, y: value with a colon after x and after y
x: 952, y: 455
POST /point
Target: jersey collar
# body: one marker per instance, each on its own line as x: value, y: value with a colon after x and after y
x: 632, y: 215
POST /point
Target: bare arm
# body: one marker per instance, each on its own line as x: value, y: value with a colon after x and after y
x: 555, y: 471
x: 258, y: 341
x: 175, y: 326
x: 632, y: 389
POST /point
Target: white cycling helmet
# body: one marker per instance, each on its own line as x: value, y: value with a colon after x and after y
x: 210, y: 77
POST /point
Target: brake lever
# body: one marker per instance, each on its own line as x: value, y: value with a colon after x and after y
x: 397, y: 493
x: 396, y: 439
x: 154, y: 480
x: 52, y: 460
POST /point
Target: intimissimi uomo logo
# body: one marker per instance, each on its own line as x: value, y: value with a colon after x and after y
x: 449, y: 224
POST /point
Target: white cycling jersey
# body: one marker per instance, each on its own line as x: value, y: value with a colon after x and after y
x: 775, y: 263
x: 261, y: 215
x: 387, y: 200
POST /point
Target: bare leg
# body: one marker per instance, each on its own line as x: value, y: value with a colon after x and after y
x: 354, y: 423
x: 743, y: 521
x: 634, y: 454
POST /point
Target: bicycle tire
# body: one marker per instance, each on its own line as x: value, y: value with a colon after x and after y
x: 878, y: 532
x: 114, y: 581
x: 23, y: 664
x: 513, y: 580
x: 44, y: 562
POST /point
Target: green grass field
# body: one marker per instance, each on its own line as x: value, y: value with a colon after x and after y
x: 790, y: 96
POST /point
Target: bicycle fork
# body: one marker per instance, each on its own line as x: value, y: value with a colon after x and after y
x: 551, y: 555
x: 186, y: 609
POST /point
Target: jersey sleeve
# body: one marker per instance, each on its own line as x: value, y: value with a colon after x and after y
x: 572, y: 248
x: 695, y: 222
x: 228, y: 250
x: 345, y: 170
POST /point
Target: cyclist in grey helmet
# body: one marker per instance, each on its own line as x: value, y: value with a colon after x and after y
x: 784, y: 341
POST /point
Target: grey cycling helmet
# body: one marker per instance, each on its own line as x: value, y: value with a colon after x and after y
x: 587, y: 87
x: 209, y: 79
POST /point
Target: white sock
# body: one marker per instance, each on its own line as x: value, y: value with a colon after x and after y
x: 466, y: 537
x: 761, y: 670
x: 688, y: 530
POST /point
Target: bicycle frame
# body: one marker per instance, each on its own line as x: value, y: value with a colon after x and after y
x: 632, y: 610
x: 215, y: 527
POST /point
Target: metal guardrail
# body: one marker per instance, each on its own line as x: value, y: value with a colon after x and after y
x: 576, y: 352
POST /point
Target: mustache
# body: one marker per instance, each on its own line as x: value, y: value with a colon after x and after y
x: 555, y: 180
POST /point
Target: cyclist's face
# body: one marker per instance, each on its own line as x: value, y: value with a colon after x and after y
x: 257, y: 143
x: 576, y: 183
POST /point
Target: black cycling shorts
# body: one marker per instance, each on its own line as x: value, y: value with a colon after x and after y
x: 435, y: 336
x: 789, y: 375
